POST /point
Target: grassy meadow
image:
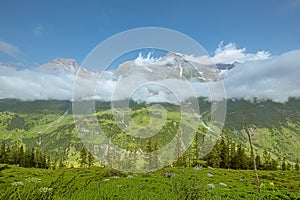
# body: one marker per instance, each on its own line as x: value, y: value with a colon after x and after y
x: 49, y: 127
x: 168, y: 183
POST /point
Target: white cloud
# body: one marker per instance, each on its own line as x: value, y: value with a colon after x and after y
x: 259, y: 76
x: 230, y: 53
x: 30, y: 85
x: 276, y: 78
x: 10, y: 49
x: 227, y: 54
x: 37, y: 30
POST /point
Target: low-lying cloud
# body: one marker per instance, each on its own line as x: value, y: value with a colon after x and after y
x: 259, y: 75
x: 276, y: 78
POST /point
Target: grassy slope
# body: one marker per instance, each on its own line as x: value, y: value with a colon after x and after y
x: 278, y: 125
x: 187, y: 184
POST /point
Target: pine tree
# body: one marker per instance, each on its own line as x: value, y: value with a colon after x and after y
x: 195, y: 150
x: 155, y: 160
x: 283, y: 164
x: 91, y: 159
x: 3, y: 153
x: 37, y: 159
x: 213, y: 158
x: 61, y: 163
x: 14, y: 154
x: 288, y: 166
x: 274, y: 164
x: 224, y: 154
x: 83, y: 157
x: 179, y: 153
x: 32, y: 161
x: 297, y: 165
x: 266, y: 160
x: 241, y: 158
x: 44, y: 161
x: 148, y: 156
x: 8, y: 153
x: 258, y: 162
x: 21, y: 156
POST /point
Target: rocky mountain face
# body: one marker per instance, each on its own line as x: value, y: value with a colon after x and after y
x: 59, y: 65
x: 172, y: 65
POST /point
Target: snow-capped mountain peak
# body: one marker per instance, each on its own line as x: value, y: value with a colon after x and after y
x: 172, y: 65
x: 60, y: 65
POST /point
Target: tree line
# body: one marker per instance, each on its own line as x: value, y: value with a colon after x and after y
x: 225, y: 154
x: 16, y: 154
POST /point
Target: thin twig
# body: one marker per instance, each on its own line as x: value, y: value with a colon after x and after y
x: 253, y: 157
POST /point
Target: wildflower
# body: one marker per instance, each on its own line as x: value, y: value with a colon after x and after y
x: 129, y: 176
x: 147, y: 173
x: 33, y: 179
x: 197, y: 168
x: 223, y: 184
x: 242, y: 179
x: 211, y: 185
x: 116, y: 177
x: 45, y: 189
x: 169, y: 175
x: 172, y: 174
x: 17, y: 183
x: 209, y: 167
x: 210, y: 175
x: 197, y: 186
x: 105, y: 180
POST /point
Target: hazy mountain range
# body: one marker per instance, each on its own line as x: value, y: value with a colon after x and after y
x: 259, y: 92
x: 273, y: 78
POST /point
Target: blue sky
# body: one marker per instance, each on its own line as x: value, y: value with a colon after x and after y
x: 35, y: 32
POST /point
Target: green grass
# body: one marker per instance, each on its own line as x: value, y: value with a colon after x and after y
x: 278, y: 125
x: 101, y: 183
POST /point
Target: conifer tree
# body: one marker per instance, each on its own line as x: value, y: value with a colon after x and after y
x: 283, y: 164
x: 232, y: 156
x: 258, y: 162
x: 21, y: 156
x: 148, y: 156
x: 288, y: 166
x: 297, y: 165
x: 83, y: 157
x: 224, y: 153
x: 32, y: 160
x: 90, y: 159
x: 266, y: 160
x: 274, y: 164
x: 3, y: 153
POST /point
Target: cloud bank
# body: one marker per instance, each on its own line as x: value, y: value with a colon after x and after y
x: 230, y: 53
x: 259, y: 75
x: 276, y: 78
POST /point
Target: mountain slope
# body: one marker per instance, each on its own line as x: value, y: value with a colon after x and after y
x: 50, y: 125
